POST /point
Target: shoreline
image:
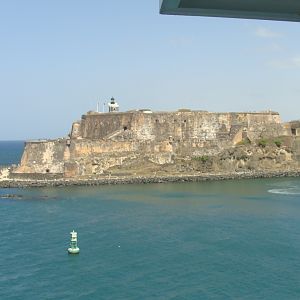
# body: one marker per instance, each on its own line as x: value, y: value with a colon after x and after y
x: 21, y: 183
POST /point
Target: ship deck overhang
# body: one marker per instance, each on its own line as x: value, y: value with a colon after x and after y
x: 280, y: 10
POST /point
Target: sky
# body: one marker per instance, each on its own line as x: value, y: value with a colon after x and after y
x: 58, y: 58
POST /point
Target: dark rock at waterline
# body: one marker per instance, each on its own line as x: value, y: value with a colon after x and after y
x: 145, y: 179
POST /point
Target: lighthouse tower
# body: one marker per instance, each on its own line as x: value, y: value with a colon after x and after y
x: 73, y: 243
x: 113, y: 106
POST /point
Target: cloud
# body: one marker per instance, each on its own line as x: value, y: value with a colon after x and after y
x: 264, y: 32
x: 290, y: 63
x: 274, y: 47
x: 270, y: 48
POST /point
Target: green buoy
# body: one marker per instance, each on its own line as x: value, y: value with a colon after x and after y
x: 73, y: 243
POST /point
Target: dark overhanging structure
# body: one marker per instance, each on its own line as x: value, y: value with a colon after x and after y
x: 280, y: 10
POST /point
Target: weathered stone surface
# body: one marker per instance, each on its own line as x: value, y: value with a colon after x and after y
x: 163, y: 144
x: 43, y: 157
x: 179, y: 126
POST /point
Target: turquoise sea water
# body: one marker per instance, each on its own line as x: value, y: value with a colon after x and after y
x: 209, y: 240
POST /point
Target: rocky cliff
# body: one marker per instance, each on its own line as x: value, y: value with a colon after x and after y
x: 146, y: 143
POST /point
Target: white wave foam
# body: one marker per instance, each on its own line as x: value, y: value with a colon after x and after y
x: 286, y: 191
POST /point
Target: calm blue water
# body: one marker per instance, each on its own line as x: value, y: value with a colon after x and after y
x: 10, y: 152
x: 212, y: 240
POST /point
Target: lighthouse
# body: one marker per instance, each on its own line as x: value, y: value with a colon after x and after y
x: 73, y: 243
x: 113, y: 106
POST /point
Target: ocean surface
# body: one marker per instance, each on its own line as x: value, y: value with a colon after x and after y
x: 10, y: 152
x: 209, y: 240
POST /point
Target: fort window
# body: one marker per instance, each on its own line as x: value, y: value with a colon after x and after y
x: 125, y: 128
x: 47, y: 170
x: 184, y: 121
x: 293, y: 131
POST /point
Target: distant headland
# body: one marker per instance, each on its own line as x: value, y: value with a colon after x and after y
x: 143, y: 146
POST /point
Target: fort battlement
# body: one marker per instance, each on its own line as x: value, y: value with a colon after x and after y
x: 180, y: 125
x: 142, y: 140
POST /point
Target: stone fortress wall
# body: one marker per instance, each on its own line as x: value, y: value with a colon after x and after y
x: 101, y: 141
x: 181, y: 125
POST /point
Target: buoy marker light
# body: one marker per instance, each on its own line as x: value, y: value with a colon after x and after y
x: 73, y: 249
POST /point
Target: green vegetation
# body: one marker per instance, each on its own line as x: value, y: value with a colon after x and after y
x: 262, y: 143
x: 244, y: 142
x: 278, y: 143
x: 203, y: 158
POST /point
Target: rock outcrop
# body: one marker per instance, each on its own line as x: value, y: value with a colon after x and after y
x: 145, y: 143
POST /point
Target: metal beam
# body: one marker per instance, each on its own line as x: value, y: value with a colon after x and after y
x: 280, y: 10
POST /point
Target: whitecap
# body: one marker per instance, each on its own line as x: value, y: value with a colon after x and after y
x: 286, y: 191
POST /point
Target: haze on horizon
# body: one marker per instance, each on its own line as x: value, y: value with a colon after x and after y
x: 59, y: 58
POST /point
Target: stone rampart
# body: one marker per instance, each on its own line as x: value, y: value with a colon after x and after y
x: 180, y: 126
x: 45, y: 156
x: 101, y: 142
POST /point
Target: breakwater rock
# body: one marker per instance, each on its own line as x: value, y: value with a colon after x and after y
x: 144, y: 179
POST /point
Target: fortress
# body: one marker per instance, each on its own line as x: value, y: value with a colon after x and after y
x: 143, y: 142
